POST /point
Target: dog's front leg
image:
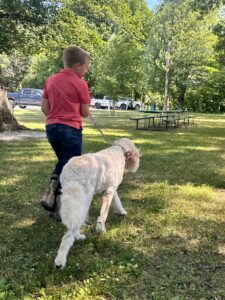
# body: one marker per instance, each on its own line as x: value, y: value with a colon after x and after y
x: 106, y: 202
x: 118, y: 205
x: 67, y: 241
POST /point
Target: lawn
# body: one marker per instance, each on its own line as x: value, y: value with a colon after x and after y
x: 171, y: 244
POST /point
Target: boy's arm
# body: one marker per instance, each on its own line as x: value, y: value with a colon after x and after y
x: 84, y: 111
x: 45, y: 106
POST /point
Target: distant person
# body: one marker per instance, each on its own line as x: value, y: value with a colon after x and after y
x: 152, y: 107
x: 65, y: 101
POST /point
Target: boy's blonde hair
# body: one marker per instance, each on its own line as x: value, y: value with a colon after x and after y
x: 74, y: 54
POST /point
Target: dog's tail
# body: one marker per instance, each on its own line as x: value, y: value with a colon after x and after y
x: 74, y: 206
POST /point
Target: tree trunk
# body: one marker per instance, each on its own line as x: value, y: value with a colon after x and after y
x: 199, y: 105
x: 7, y: 120
x: 168, y: 65
x: 181, y: 96
x: 166, y: 97
x: 218, y: 108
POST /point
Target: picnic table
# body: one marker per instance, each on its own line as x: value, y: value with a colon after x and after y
x: 163, y: 120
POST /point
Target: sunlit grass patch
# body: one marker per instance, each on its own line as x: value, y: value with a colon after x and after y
x: 32, y: 119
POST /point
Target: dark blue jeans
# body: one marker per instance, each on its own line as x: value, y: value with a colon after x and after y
x: 66, y: 141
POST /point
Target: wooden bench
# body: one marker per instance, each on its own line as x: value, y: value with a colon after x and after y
x: 187, y: 119
x: 149, y: 123
x: 163, y: 122
x: 179, y: 119
x: 171, y: 120
x: 191, y: 118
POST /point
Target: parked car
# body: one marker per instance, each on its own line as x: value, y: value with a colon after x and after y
x: 105, y: 102
x: 128, y: 104
x: 26, y: 96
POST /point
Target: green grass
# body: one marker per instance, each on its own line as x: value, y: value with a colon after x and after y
x: 170, y: 246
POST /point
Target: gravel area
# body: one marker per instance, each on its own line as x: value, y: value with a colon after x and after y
x: 21, y: 135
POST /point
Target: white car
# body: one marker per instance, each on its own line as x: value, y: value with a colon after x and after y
x: 106, y: 102
x: 128, y: 104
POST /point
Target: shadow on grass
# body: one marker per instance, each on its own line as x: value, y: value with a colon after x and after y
x: 116, y: 266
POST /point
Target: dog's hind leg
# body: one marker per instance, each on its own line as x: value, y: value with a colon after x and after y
x: 106, y: 202
x: 67, y: 241
x: 118, y: 205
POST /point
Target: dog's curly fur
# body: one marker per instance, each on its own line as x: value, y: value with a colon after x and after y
x: 83, y: 177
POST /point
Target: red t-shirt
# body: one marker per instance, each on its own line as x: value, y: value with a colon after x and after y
x: 65, y: 91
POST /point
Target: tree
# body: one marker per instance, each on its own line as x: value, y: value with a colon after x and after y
x: 23, y: 22
x: 203, y: 6
x: 67, y: 29
x: 7, y: 120
x: 119, y: 65
x: 13, y: 69
x: 191, y: 43
x: 207, y: 95
x: 91, y: 25
x: 219, y: 30
x: 206, y: 6
x: 118, y: 68
x: 111, y: 16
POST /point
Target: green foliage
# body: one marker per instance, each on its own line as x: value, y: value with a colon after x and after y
x: 208, y: 95
x: 13, y: 69
x: 68, y: 29
x: 111, y: 16
x: 219, y: 30
x: 41, y: 67
x: 205, y: 6
x: 22, y: 23
x: 133, y: 51
x: 118, y: 69
x: 190, y: 41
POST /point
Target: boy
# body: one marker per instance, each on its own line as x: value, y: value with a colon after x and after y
x: 65, y: 101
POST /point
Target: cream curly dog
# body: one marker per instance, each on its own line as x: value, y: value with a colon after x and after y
x: 83, y: 177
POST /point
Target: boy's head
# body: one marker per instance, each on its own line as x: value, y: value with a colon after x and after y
x: 77, y: 59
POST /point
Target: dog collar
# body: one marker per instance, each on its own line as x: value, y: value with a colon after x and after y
x: 124, y: 151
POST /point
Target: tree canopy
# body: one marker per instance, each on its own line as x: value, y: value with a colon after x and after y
x: 175, y: 52
x: 23, y: 22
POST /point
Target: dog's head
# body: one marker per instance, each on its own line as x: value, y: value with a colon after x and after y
x: 131, y: 153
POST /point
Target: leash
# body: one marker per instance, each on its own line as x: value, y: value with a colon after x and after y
x: 93, y: 121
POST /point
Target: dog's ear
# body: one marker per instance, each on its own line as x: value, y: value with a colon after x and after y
x: 132, y: 160
x: 128, y: 155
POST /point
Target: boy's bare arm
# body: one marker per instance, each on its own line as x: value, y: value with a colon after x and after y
x: 84, y: 110
x: 45, y: 106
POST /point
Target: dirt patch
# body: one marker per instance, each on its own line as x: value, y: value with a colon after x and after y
x: 21, y: 135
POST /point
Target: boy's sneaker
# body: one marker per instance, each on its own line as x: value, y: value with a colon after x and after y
x: 48, y: 201
x: 57, y: 215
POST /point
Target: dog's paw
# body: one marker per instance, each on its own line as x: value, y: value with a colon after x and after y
x: 100, y: 227
x: 80, y: 237
x: 60, y: 262
x: 122, y: 212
